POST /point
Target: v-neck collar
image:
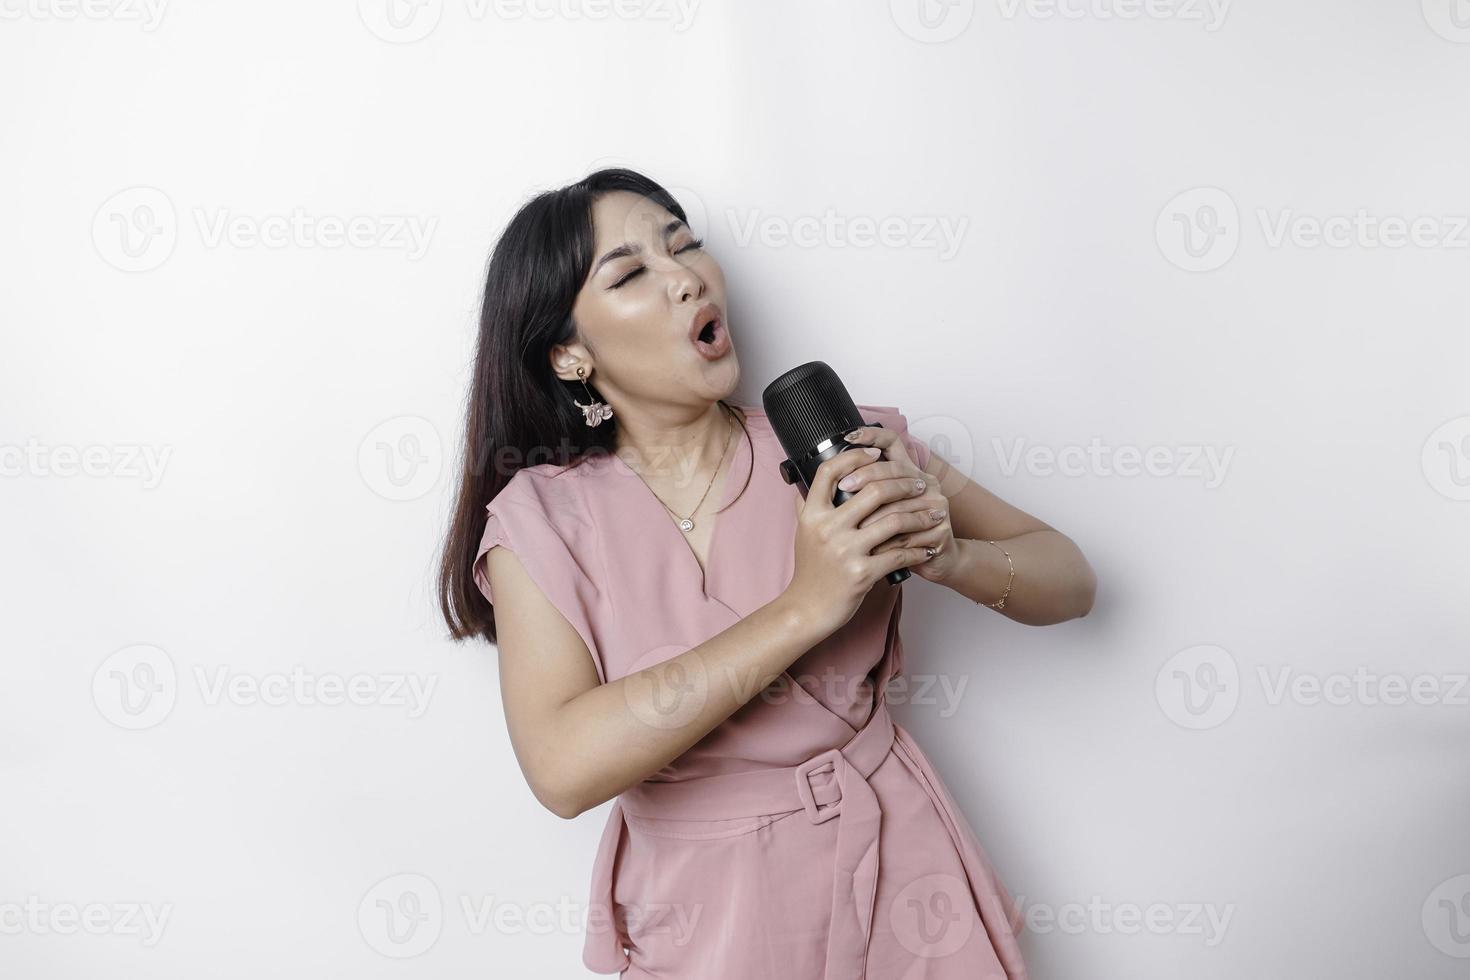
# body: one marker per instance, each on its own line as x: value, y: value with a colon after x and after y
x: 703, y: 574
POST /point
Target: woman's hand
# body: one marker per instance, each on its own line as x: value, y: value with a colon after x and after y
x: 898, y: 465
x: 836, y: 565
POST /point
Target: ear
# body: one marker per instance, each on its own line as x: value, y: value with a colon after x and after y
x: 566, y: 358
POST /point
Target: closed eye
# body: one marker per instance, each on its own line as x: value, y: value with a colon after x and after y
x: 696, y: 243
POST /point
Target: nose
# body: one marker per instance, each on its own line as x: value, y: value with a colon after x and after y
x: 684, y: 284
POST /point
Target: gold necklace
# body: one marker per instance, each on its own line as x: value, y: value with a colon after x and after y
x: 686, y: 524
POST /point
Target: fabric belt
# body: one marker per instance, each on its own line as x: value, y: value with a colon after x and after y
x: 843, y: 794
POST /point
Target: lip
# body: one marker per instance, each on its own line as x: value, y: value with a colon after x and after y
x: 720, y: 346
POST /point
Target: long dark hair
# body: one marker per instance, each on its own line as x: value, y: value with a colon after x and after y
x: 519, y: 412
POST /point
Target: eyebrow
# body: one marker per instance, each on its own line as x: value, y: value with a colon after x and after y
x: 633, y: 248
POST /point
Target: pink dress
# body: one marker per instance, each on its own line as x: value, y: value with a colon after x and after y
x: 807, y: 836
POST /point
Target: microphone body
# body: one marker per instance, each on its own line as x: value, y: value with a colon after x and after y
x: 810, y: 411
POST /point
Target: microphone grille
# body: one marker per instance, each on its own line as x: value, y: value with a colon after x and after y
x: 807, y: 405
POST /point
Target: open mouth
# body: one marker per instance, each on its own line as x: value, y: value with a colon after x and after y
x: 710, y: 338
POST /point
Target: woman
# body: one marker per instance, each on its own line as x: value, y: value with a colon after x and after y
x: 680, y: 629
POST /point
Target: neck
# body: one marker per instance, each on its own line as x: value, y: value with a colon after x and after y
x: 665, y: 445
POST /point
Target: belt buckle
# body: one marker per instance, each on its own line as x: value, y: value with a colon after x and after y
x: 817, y: 763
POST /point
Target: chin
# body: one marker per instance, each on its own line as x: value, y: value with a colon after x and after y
x: 723, y: 376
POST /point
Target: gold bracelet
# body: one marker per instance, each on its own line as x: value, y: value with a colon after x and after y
x: 1001, y: 602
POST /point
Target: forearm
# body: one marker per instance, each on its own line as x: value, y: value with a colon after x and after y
x: 616, y: 734
x: 1053, y: 581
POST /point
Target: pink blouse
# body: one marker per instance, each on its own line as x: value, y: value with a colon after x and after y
x: 807, y: 835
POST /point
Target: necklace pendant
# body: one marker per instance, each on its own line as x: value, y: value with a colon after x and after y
x: 686, y: 525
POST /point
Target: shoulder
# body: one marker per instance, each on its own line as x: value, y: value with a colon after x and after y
x: 553, y: 493
x: 540, y: 513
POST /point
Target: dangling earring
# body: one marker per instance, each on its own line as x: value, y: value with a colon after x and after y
x: 596, y: 412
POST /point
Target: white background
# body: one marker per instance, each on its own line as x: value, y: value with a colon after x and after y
x: 1121, y: 186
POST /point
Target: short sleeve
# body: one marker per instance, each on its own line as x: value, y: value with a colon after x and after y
x: 895, y: 420
x: 516, y: 521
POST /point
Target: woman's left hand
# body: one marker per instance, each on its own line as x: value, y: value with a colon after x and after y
x: 898, y: 465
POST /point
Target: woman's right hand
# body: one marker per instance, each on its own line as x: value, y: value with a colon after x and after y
x: 835, y: 567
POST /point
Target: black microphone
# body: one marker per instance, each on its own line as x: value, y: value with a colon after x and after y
x: 810, y: 411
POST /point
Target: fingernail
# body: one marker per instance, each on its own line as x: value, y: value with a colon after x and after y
x: 936, y: 515
x: 871, y: 450
x: 918, y: 486
x: 854, y: 434
x: 847, y: 482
